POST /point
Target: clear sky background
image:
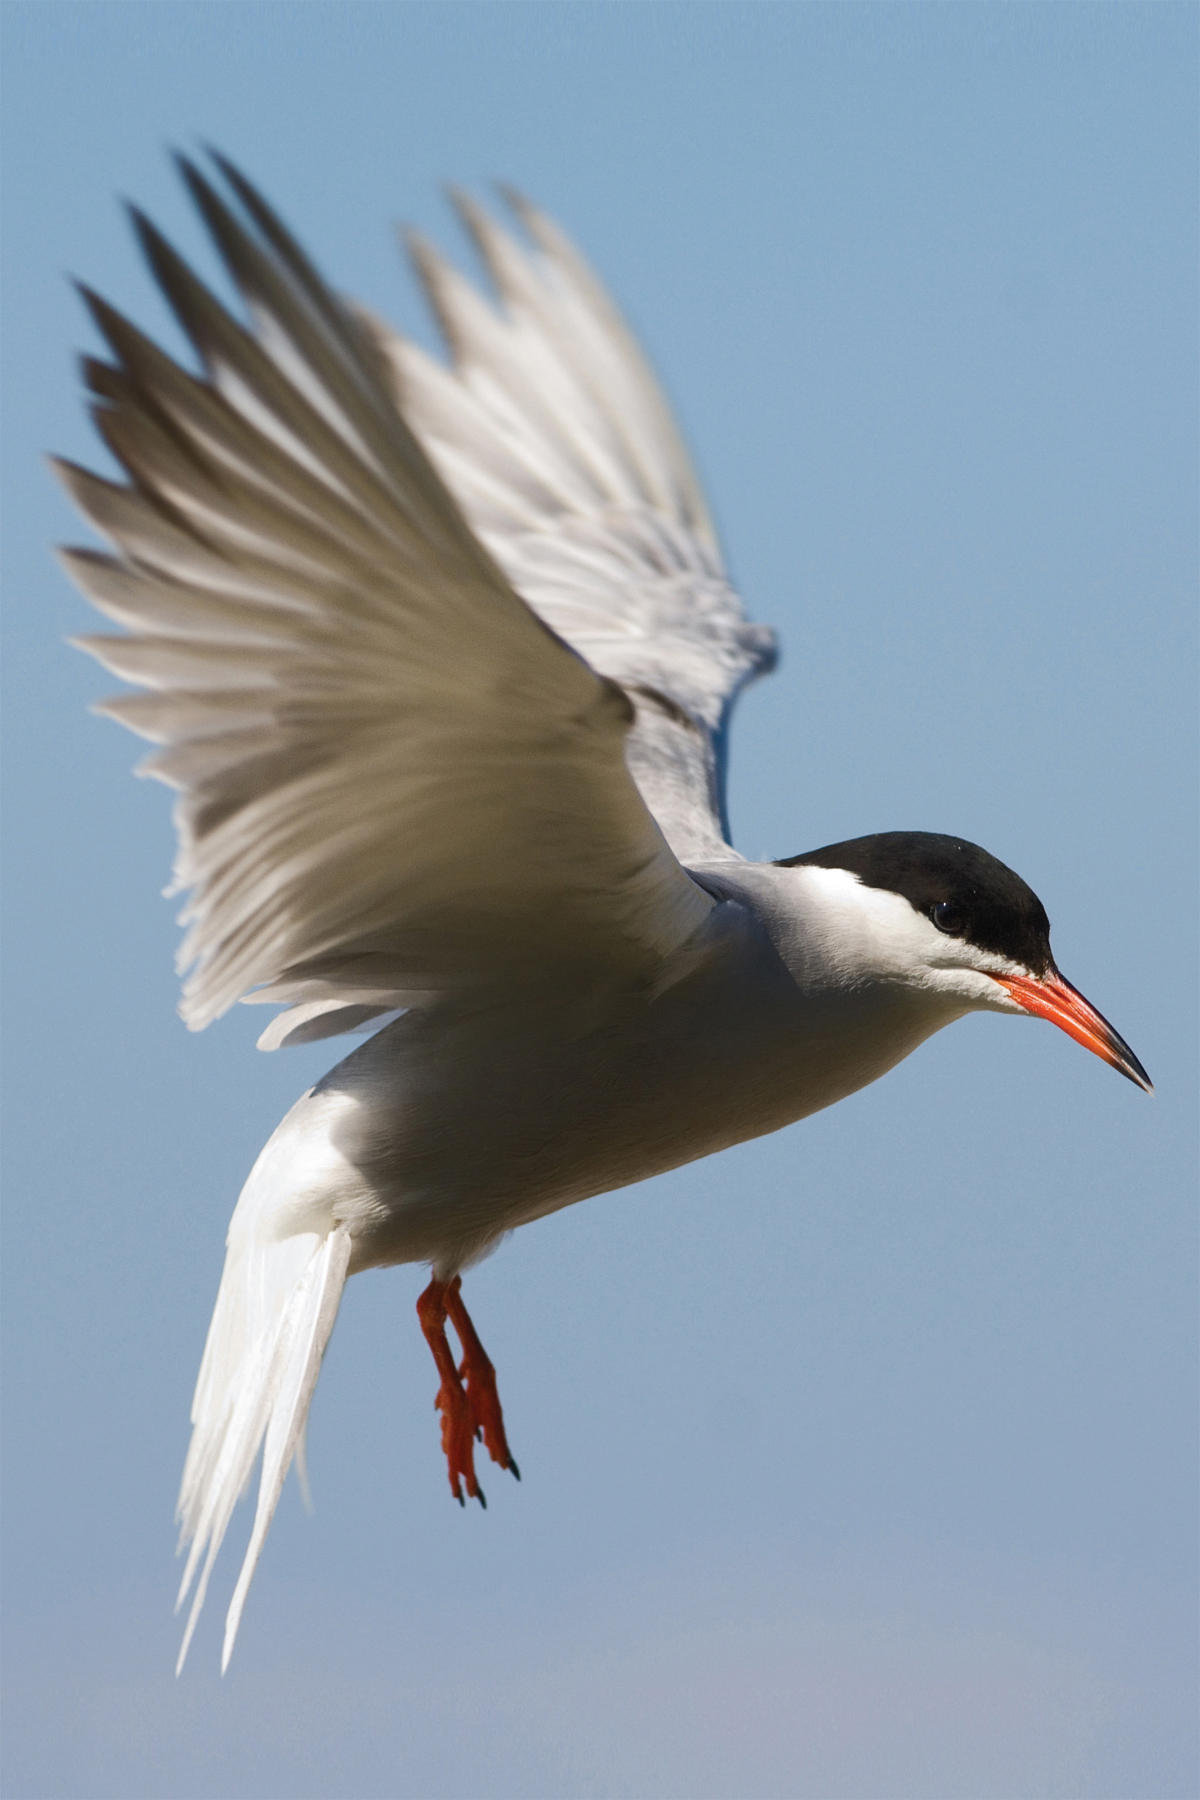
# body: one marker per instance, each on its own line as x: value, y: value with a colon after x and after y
x: 861, y: 1460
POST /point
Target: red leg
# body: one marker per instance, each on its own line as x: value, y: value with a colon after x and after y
x: 467, y: 1398
x: 458, y: 1421
x: 480, y: 1378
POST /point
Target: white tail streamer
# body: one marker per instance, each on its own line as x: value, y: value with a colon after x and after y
x: 275, y: 1312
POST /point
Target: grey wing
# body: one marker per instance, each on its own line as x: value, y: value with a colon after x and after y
x: 554, y: 436
x: 392, y: 778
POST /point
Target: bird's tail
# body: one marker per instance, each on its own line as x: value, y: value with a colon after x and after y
x: 275, y: 1310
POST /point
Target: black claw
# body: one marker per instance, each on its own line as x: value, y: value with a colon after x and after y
x: 512, y: 1463
x: 479, y: 1434
x: 482, y: 1498
x: 460, y: 1499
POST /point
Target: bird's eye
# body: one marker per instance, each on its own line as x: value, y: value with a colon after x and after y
x: 949, y: 917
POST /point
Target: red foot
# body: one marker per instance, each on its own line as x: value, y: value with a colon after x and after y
x: 468, y: 1411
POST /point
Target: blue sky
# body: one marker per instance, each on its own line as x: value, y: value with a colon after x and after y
x: 861, y: 1460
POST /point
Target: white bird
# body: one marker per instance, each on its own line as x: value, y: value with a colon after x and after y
x: 440, y: 660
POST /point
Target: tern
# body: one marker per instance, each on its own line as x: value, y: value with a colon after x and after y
x: 440, y: 658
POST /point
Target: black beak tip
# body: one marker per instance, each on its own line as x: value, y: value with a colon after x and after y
x: 1133, y: 1071
x: 1127, y: 1064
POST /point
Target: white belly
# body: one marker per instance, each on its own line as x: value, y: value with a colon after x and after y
x: 456, y: 1124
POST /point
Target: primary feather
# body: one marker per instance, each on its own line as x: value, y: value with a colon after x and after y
x: 337, y: 667
x: 554, y: 436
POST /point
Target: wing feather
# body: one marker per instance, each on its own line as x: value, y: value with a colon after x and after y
x: 392, y: 778
x: 554, y: 436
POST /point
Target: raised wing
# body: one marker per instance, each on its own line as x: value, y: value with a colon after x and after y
x: 393, y: 778
x: 556, y: 440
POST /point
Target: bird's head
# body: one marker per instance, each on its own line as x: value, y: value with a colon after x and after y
x: 944, y: 917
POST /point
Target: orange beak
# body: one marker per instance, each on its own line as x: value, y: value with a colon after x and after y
x: 1052, y: 997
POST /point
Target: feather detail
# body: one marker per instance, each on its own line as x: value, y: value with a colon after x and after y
x: 555, y: 438
x: 337, y: 666
x: 274, y: 1315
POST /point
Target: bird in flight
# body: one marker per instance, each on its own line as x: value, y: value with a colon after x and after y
x: 439, y: 659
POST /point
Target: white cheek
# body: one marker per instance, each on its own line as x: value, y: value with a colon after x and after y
x: 905, y: 943
x: 830, y: 928
x: 869, y: 928
x: 975, y: 990
x: 951, y: 967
